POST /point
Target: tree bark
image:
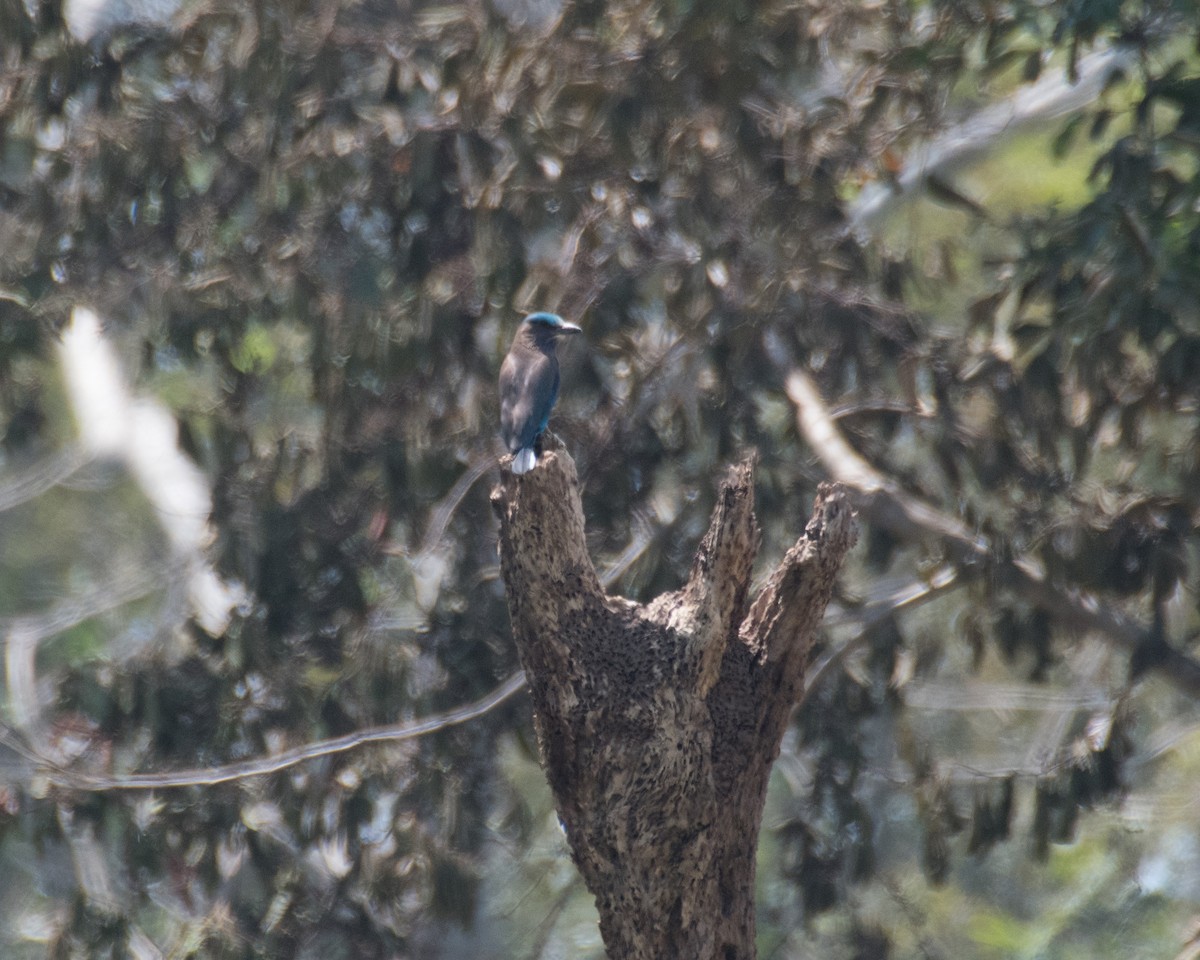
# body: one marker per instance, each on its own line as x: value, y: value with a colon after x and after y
x: 658, y: 723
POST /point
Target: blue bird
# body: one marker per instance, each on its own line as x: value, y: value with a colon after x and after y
x: 529, y: 385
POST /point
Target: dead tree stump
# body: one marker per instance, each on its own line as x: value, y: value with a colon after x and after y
x: 658, y: 723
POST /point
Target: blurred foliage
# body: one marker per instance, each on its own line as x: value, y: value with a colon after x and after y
x: 312, y: 227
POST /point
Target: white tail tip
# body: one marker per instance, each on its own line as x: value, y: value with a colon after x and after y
x: 524, y: 461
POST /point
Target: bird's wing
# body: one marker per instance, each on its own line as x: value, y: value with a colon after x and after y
x: 528, y: 389
x: 550, y: 399
x: 510, y: 401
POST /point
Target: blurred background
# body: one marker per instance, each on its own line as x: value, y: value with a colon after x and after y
x: 259, y: 264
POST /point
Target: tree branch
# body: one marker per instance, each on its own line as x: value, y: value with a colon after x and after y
x: 42, y: 475
x: 714, y: 599
x: 658, y: 723
x: 911, y: 518
x: 776, y: 619
x: 208, y: 776
x: 1053, y: 95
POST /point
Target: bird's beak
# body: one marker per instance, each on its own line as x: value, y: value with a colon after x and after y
x: 569, y: 328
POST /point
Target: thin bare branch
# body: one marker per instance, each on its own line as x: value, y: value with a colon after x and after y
x: 973, y: 696
x: 132, y: 585
x: 943, y: 580
x: 261, y: 766
x: 446, y: 507
x: 44, y: 474
x: 911, y: 594
x: 22, y: 636
x: 641, y: 538
x: 1054, y: 95
x: 884, y: 502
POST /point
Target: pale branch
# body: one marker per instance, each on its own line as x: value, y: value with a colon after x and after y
x: 96, y: 881
x: 883, y: 498
x: 861, y: 407
x: 545, y: 929
x: 907, y: 516
x: 128, y: 585
x: 974, y: 696
x: 429, y: 561
x: 942, y: 581
x: 139, y: 432
x: 1053, y: 95
x: 208, y: 776
x: 23, y: 635
x: 640, y: 539
x: 44, y: 474
x: 881, y: 606
x: 441, y: 515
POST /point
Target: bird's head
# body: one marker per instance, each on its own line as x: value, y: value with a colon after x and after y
x: 549, y: 326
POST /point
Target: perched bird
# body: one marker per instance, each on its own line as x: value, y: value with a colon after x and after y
x: 529, y: 385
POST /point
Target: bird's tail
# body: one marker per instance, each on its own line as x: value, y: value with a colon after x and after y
x: 524, y: 460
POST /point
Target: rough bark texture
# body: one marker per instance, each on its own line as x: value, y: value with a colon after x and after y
x: 659, y: 723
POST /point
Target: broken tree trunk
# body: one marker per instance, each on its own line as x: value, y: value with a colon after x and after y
x: 658, y: 723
